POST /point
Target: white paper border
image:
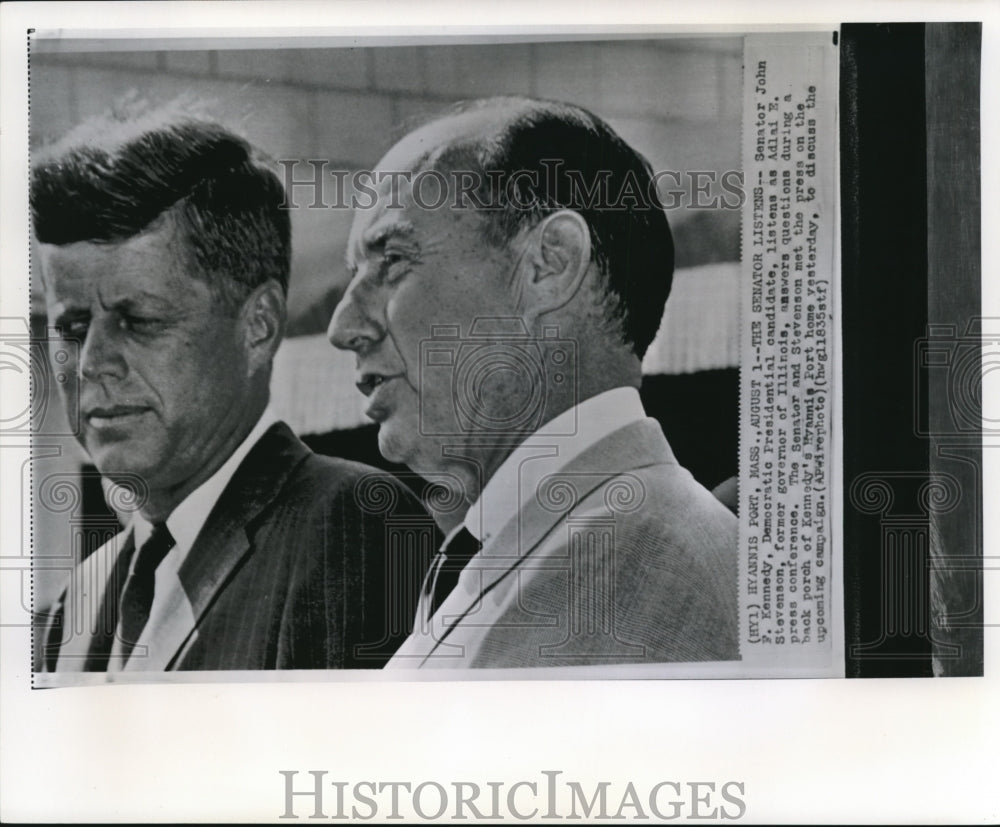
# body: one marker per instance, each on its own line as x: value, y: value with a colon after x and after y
x: 837, y: 751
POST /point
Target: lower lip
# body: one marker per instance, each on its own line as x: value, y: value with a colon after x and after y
x: 116, y: 421
x: 377, y: 410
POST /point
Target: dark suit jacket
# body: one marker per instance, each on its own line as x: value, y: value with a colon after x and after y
x: 305, y: 562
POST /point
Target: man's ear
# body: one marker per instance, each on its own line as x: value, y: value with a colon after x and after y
x: 264, y: 314
x: 558, y: 259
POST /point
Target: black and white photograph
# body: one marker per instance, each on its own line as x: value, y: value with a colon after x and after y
x: 440, y: 373
x: 456, y: 381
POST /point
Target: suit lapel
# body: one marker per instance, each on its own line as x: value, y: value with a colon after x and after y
x: 88, y: 609
x: 638, y: 445
x: 224, y: 541
x: 99, y: 657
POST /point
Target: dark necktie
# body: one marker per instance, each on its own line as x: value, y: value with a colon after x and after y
x: 452, y: 559
x: 137, y: 597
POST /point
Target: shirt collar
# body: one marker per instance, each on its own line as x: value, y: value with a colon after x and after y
x: 187, y: 519
x: 548, y: 450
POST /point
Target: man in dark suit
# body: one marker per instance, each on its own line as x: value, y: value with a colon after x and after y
x: 165, y: 255
x: 499, y: 332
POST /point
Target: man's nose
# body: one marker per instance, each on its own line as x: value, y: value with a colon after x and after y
x: 101, y: 355
x: 355, y: 324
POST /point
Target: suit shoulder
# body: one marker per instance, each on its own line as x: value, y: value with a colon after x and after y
x: 324, y: 479
x: 669, y: 528
x: 322, y: 466
x: 675, y: 495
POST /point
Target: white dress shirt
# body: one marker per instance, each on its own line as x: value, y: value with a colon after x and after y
x: 185, y: 523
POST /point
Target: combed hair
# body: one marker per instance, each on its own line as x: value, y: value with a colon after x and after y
x: 227, y: 200
x: 559, y: 145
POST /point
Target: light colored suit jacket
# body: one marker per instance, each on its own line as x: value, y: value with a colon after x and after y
x: 620, y: 557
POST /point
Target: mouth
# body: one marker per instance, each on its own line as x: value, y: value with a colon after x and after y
x: 113, y: 415
x: 370, y: 381
x: 371, y: 385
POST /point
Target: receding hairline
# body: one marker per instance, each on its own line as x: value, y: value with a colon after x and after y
x: 476, y: 123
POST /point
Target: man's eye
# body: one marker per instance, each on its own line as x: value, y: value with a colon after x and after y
x: 137, y: 323
x: 394, y: 265
x: 73, y: 330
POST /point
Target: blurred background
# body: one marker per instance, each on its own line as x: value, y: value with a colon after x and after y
x: 676, y: 100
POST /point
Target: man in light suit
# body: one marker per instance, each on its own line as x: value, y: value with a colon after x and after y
x: 499, y: 330
x: 165, y: 255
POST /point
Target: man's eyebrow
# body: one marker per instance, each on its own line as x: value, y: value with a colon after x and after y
x: 139, y: 299
x: 64, y: 313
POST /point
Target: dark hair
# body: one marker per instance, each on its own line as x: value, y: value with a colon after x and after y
x: 554, y: 148
x: 227, y: 200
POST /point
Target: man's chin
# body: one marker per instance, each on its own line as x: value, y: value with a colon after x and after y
x: 123, y: 467
x: 391, y: 447
x: 424, y: 456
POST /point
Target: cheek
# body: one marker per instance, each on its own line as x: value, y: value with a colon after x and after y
x: 194, y: 374
x: 420, y: 304
x: 409, y: 317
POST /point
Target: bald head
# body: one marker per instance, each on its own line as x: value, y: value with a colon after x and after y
x: 518, y: 160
